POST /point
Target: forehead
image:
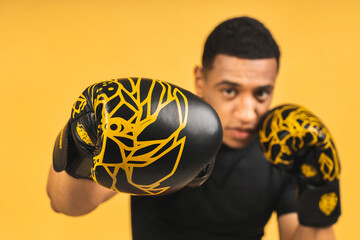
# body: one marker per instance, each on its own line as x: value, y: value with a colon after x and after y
x: 242, y: 71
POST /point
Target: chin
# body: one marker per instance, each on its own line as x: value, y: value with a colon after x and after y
x: 238, y: 144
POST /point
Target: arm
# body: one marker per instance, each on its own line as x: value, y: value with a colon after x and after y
x: 291, y: 229
x: 115, y: 140
x: 74, y: 197
x: 297, y: 142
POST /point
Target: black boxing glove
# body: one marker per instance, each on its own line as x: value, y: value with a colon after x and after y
x: 296, y: 141
x: 139, y: 136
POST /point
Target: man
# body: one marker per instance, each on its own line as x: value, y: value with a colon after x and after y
x: 240, y: 66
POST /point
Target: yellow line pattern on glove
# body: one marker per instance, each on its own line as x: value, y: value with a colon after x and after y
x: 288, y: 134
x: 115, y: 127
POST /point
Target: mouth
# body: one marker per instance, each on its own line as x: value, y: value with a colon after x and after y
x: 241, y: 133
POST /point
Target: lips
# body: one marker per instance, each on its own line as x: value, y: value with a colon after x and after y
x: 241, y: 133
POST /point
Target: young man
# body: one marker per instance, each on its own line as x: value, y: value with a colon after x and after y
x: 240, y: 66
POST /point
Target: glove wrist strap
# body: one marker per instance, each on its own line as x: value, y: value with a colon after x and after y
x: 319, y: 206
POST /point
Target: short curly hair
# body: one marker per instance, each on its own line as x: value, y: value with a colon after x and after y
x: 241, y: 37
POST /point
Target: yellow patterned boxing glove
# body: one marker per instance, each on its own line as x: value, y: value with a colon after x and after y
x: 296, y: 141
x: 139, y: 136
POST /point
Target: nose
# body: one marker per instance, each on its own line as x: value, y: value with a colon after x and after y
x: 245, y: 110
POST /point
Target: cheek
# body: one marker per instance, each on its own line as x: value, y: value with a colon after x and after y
x: 263, y: 109
x: 213, y: 99
x: 219, y: 106
x: 224, y: 110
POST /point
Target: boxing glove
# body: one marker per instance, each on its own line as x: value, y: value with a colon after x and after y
x: 139, y: 136
x: 296, y: 141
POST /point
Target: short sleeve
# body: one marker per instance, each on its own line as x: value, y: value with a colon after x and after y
x: 287, y: 199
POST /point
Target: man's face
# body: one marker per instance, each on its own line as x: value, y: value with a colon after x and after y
x: 240, y: 90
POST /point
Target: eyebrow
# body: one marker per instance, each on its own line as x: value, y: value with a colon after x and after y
x: 266, y: 87
x: 225, y: 82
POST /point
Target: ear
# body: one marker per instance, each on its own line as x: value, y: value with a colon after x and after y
x: 199, y: 81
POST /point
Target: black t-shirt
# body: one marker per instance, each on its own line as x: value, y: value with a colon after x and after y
x: 236, y: 201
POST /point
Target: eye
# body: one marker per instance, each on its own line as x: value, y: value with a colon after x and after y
x: 228, y: 92
x: 262, y: 95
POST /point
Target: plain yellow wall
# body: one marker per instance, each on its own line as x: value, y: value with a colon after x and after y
x: 51, y: 50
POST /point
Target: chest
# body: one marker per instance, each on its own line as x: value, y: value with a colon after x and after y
x: 240, y: 189
x: 238, y: 198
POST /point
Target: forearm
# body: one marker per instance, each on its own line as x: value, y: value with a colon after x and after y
x: 73, y: 196
x: 291, y: 229
x: 310, y: 233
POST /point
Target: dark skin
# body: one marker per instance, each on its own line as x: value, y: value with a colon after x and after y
x: 241, y: 90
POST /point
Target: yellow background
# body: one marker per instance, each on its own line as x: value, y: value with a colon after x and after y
x: 51, y: 50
